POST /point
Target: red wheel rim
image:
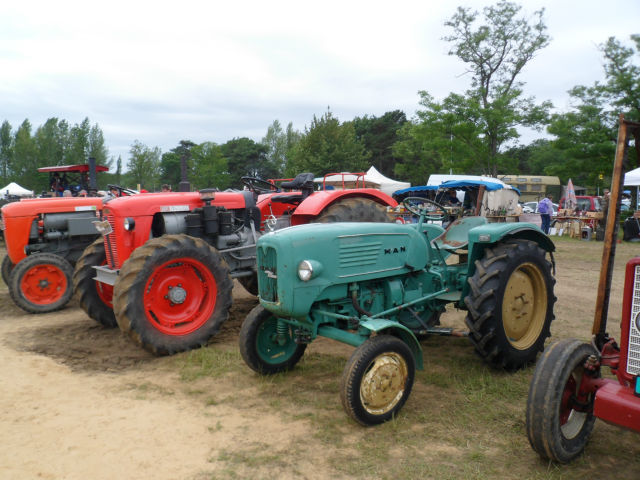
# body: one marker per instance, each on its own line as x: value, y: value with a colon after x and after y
x: 180, y: 296
x: 43, y: 284
x: 105, y: 291
x: 565, y: 402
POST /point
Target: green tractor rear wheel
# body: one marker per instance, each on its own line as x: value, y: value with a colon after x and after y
x: 510, y: 304
x: 377, y: 380
x: 267, y: 344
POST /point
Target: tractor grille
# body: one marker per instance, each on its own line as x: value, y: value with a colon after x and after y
x: 633, y: 356
x: 110, y: 245
x: 267, y: 274
x: 359, y: 255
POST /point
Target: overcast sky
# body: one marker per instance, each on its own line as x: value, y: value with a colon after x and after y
x: 160, y: 72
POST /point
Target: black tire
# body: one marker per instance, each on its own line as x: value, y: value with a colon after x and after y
x: 7, y: 266
x: 382, y: 359
x: 354, y: 210
x: 250, y: 283
x: 41, y: 283
x: 557, y: 431
x: 263, y: 348
x: 172, y: 294
x: 515, y: 278
x: 95, y: 298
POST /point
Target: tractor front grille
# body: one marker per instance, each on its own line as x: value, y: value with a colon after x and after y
x: 268, y: 274
x: 633, y: 355
x: 110, y: 245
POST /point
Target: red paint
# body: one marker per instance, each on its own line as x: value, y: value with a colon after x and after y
x: 197, y: 284
x: 43, y: 284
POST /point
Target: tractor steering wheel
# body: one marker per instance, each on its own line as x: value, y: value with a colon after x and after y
x: 121, y: 190
x: 258, y: 185
x: 430, y: 209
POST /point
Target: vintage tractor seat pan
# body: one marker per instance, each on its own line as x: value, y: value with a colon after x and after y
x: 456, y: 235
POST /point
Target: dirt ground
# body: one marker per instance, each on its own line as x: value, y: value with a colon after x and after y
x: 82, y: 402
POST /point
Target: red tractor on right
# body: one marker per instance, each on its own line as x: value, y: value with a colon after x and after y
x: 567, y: 391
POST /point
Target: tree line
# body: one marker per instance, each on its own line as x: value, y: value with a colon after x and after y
x: 470, y: 132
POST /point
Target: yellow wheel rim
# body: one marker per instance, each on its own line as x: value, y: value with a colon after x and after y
x: 383, y: 384
x: 524, y: 306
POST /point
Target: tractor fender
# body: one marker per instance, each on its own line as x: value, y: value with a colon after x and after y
x: 490, y: 234
x: 381, y: 325
x: 314, y: 204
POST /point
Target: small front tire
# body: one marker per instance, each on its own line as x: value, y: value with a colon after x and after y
x: 377, y: 380
x: 266, y: 344
x: 41, y: 283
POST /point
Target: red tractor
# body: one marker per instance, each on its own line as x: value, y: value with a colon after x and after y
x: 44, y: 239
x: 171, y: 257
x: 567, y: 392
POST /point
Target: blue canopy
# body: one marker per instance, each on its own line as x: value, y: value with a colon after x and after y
x: 455, y: 185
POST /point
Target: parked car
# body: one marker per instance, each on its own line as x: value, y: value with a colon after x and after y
x: 532, y: 207
x: 585, y: 203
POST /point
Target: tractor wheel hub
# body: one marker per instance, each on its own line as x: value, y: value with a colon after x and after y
x: 177, y: 295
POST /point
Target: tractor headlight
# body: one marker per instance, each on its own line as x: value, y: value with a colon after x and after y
x: 129, y: 224
x: 308, y: 269
x: 305, y: 270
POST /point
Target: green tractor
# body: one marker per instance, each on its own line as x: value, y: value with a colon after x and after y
x: 381, y: 287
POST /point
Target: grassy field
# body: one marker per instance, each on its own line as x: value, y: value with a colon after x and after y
x: 463, y: 419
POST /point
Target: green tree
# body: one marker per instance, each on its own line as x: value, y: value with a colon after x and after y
x: 328, y: 146
x: 586, y: 135
x: 25, y: 160
x: 144, y: 166
x: 276, y: 142
x: 50, y: 143
x: 171, y: 164
x: 247, y: 158
x: 210, y: 167
x: 97, y: 148
x: 379, y: 134
x: 484, y: 120
x: 6, y: 150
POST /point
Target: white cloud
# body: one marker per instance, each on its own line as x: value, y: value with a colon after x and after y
x: 160, y: 72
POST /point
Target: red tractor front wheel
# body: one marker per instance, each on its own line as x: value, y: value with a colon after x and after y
x: 95, y: 298
x: 172, y: 294
x: 41, y: 283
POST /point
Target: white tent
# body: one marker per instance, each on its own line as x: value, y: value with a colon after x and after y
x: 632, y: 178
x: 14, y: 189
x: 387, y: 185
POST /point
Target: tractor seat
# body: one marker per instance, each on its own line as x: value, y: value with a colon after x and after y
x: 456, y: 236
x: 294, y: 198
x: 302, y: 181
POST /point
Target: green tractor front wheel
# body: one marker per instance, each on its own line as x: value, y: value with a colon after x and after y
x: 267, y: 344
x: 377, y: 380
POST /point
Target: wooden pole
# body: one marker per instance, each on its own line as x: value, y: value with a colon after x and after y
x: 479, y: 200
x: 610, y: 236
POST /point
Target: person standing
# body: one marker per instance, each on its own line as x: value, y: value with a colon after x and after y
x: 545, y: 209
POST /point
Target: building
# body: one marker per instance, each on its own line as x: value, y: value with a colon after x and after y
x: 534, y: 187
